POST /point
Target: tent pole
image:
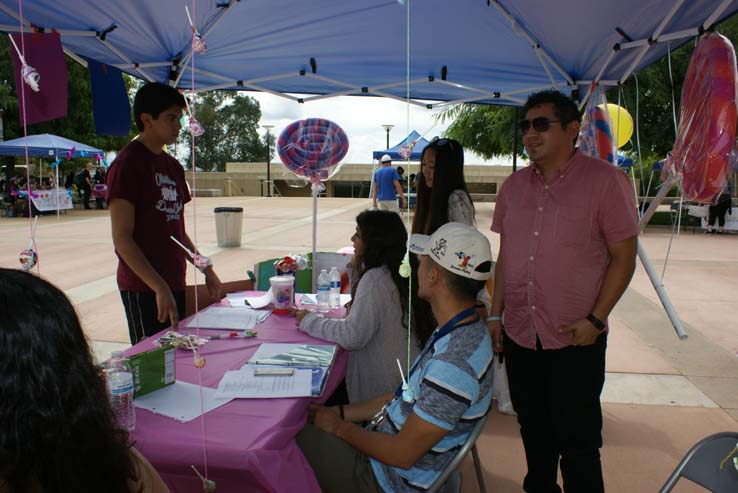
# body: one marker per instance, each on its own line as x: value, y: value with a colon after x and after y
x: 520, y: 30
x: 57, y: 199
x: 316, y: 191
x: 668, y: 183
x: 515, y: 140
x: 661, y: 292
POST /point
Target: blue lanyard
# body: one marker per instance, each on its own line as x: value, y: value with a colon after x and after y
x: 447, y: 328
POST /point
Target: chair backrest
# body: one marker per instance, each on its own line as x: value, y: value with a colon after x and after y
x: 702, y: 465
x: 265, y: 269
x: 303, y: 278
x: 439, y: 483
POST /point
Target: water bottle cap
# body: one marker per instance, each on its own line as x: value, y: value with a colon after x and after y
x: 116, y: 354
x: 323, y: 270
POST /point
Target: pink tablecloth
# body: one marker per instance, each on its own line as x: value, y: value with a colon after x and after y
x: 250, y: 443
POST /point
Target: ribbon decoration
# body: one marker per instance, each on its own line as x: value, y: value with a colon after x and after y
x: 29, y: 74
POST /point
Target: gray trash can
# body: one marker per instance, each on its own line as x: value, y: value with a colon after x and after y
x: 228, y: 224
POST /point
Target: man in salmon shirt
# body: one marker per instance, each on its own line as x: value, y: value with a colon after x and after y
x: 146, y: 194
x: 568, y: 240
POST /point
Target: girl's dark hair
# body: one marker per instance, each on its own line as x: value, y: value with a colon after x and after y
x: 58, y: 432
x: 431, y: 205
x: 385, y: 239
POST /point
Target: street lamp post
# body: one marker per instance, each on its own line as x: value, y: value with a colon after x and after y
x: 387, y: 128
x: 268, y: 160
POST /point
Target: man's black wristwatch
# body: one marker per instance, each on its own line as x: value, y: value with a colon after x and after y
x: 599, y: 324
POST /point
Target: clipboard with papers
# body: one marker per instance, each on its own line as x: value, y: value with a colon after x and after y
x: 299, y: 355
x: 318, y: 358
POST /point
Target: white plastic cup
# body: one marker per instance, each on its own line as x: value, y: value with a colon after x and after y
x: 282, y: 293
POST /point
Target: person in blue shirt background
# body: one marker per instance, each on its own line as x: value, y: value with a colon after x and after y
x: 386, y: 182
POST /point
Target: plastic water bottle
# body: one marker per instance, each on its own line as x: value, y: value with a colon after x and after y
x: 119, y: 378
x: 324, y: 288
x: 335, y: 298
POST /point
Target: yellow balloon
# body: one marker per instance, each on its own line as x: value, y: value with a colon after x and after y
x: 622, y: 124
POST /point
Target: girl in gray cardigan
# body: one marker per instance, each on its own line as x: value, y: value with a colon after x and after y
x: 375, y: 328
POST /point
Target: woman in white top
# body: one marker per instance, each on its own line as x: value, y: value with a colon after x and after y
x: 441, y: 190
x: 375, y: 328
x: 441, y: 198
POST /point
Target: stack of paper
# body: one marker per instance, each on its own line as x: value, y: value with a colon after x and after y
x: 230, y: 318
x: 236, y: 299
x: 244, y: 384
x: 181, y: 401
x: 303, y: 355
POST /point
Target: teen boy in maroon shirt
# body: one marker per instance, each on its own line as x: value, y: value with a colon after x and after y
x: 147, y: 192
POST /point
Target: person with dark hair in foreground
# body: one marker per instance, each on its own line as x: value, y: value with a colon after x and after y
x: 146, y: 196
x: 414, y: 433
x: 57, y: 431
x: 375, y: 328
x: 568, y: 239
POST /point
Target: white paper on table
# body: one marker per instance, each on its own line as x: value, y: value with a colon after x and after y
x: 312, y: 299
x: 260, y: 301
x: 230, y: 318
x: 180, y: 401
x: 243, y: 384
x: 236, y: 300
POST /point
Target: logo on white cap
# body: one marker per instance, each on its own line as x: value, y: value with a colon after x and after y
x: 458, y: 248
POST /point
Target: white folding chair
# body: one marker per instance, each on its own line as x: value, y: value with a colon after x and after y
x: 450, y: 480
x: 701, y: 465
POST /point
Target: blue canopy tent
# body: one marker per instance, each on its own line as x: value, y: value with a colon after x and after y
x: 394, y: 152
x: 48, y: 146
x: 492, y: 52
x: 624, y: 162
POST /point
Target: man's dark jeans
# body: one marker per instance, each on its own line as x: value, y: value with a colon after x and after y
x: 556, y: 394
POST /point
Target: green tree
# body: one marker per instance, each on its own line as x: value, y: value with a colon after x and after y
x: 486, y: 130
x: 230, y: 123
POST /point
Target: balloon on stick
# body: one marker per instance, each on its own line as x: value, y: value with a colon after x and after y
x: 595, y: 134
x: 703, y: 156
x: 312, y: 148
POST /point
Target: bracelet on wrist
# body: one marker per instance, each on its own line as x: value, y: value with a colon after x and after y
x: 202, y: 263
x: 598, y: 324
x: 494, y: 318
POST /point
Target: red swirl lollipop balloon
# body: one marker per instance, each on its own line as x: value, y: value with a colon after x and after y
x: 312, y: 148
x: 701, y: 157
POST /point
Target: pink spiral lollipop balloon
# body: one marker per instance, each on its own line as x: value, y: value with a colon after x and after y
x: 311, y: 148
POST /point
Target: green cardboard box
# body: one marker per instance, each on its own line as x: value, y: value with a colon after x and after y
x: 152, y: 370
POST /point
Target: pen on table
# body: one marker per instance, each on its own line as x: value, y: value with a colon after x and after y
x: 282, y: 372
x: 230, y: 335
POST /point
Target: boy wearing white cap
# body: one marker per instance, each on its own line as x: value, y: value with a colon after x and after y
x: 386, y: 184
x: 415, y: 432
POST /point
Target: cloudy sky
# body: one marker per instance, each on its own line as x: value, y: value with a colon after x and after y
x: 362, y: 119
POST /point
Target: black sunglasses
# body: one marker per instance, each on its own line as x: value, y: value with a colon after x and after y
x: 540, y: 124
x: 438, y: 142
